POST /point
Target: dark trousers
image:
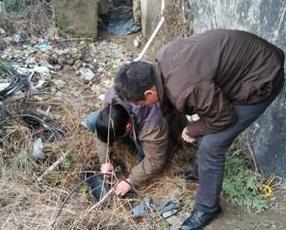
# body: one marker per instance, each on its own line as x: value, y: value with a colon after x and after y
x: 211, y: 155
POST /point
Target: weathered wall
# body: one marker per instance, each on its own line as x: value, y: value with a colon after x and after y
x: 267, y: 18
x: 150, y: 15
x: 78, y: 17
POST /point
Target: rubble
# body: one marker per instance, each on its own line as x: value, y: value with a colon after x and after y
x: 166, y: 209
x: 2, y: 32
x: 38, y: 147
x: 86, y: 73
x: 44, y: 46
x: 137, y: 41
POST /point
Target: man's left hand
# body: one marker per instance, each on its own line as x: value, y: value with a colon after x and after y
x: 123, y: 187
x: 186, y: 136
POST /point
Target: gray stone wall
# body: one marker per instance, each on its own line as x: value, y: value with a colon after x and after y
x: 150, y: 15
x: 266, y: 18
x: 77, y: 17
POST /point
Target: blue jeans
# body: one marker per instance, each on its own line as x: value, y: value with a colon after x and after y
x: 90, y: 123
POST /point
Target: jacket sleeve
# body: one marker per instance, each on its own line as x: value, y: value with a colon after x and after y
x: 155, y: 147
x: 208, y: 101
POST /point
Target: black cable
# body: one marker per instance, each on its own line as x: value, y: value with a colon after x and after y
x: 72, y: 192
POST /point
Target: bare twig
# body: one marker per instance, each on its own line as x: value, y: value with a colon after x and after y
x: 253, y: 157
x: 53, y: 166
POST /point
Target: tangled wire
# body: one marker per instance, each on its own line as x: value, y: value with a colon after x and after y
x: 18, y: 82
x: 21, y: 83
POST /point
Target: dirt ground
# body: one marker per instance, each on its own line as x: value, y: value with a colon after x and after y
x: 236, y: 218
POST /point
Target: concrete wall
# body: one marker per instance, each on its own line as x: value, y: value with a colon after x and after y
x: 267, y: 18
x: 78, y: 17
x: 150, y: 16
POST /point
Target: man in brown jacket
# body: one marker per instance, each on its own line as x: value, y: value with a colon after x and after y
x: 145, y: 128
x: 228, y: 78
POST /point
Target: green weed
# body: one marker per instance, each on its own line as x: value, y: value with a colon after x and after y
x: 15, y: 6
x: 242, y: 185
x: 68, y: 162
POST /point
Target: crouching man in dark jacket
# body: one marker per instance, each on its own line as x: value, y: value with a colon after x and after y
x: 144, y: 126
x: 228, y: 78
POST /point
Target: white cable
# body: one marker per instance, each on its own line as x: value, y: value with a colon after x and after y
x: 162, y: 7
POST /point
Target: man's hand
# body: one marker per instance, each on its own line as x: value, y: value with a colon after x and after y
x: 107, y: 169
x: 123, y: 187
x: 186, y: 137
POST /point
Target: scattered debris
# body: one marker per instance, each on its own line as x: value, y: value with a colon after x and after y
x: 38, y: 147
x: 44, y: 46
x: 86, y: 73
x: 137, y: 41
x: 43, y: 70
x: 147, y: 207
x: 53, y: 166
x: 17, y: 37
x: 2, y: 32
x: 17, y: 83
x: 169, y: 208
x: 144, y: 209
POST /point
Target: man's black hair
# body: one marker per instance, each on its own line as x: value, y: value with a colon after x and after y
x: 133, y: 79
x: 118, y: 121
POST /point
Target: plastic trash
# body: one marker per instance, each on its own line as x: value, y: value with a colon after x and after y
x: 38, y: 147
x: 144, y: 208
x: 44, y: 47
x: 2, y: 31
x: 169, y: 208
x: 87, y: 74
x: 17, y: 37
x: 43, y: 70
x: 166, y: 209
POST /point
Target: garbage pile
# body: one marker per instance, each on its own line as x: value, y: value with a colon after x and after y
x: 47, y: 86
x: 40, y: 77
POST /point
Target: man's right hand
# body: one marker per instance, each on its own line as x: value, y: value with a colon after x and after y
x: 107, y: 168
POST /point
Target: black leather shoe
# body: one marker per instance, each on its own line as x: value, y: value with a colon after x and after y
x: 199, y: 219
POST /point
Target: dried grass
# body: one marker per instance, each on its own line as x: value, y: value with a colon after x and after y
x: 27, y: 204
x: 32, y: 18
